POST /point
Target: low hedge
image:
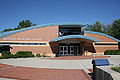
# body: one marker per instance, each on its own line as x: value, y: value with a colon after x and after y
x: 6, y: 55
x: 20, y: 54
x: 112, y: 52
x: 23, y: 54
x: 116, y: 69
x: 1, y: 57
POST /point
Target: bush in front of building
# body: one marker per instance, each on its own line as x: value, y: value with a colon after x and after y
x: 38, y: 55
x: 1, y: 57
x: 6, y: 55
x: 23, y: 54
x: 112, y: 52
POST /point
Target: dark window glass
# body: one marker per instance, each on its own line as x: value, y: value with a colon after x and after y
x: 65, y: 48
x: 61, y: 48
x: 65, y: 52
x: 69, y: 30
x: 61, y: 52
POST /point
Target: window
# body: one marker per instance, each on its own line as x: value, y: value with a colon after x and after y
x: 69, y: 30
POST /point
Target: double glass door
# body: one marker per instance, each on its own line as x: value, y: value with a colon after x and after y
x: 74, y: 50
x: 63, y: 50
x: 69, y: 50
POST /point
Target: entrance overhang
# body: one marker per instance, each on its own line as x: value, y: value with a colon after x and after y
x: 74, y: 36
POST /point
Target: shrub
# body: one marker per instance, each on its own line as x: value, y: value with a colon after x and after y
x: 112, y: 52
x: 15, y: 56
x: 116, y: 69
x: 12, y: 55
x: 38, y: 55
x: 23, y: 54
x: 1, y: 57
x: 6, y: 54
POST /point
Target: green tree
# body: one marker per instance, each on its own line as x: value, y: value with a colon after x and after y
x: 114, y: 29
x: 5, y: 30
x: 22, y: 24
x: 25, y: 23
x: 106, y: 29
x: 98, y: 27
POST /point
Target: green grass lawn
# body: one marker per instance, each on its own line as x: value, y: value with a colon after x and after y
x: 116, y: 69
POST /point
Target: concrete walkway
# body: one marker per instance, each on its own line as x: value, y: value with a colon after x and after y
x: 114, y: 59
x: 56, y: 64
x: 44, y: 63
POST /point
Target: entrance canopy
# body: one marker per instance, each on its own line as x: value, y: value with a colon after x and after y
x: 74, y: 36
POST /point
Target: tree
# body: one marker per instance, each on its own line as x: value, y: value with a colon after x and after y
x: 114, y: 29
x: 98, y: 27
x: 106, y: 28
x: 25, y: 23
x: 22, y: 24
x: 5, y: 30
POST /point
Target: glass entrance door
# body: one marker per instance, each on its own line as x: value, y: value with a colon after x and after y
x: 71, y: 49
x: 74, y: 50
x: 63, y: 50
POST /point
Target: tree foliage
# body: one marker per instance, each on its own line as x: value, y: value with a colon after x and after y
x: 22, y: 24
x: 25, y: 23
x: 110, y: 29
x: 114, y: 29
x: 97, y: 26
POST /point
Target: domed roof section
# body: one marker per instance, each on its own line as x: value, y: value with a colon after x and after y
x: 38, y: 26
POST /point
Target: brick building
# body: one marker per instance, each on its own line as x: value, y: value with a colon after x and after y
x: 57, y: 39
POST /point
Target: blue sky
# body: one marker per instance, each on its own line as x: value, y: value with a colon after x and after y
x: 52, y: 11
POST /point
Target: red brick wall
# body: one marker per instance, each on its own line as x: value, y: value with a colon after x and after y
x: 44, y: 33
x: 34, y: 49
x: 99, y: 37
x: 103, y: 48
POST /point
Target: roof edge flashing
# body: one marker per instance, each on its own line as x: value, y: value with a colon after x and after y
x: 74, y: 36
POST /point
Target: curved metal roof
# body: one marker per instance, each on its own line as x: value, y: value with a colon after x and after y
x: 102, y: 35
x: 38, y: 26
x: 74, y: 36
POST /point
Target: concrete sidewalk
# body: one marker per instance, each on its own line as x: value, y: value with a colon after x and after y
x: 44, y: 63
x: 114, y: 59
x: 56, y: 64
